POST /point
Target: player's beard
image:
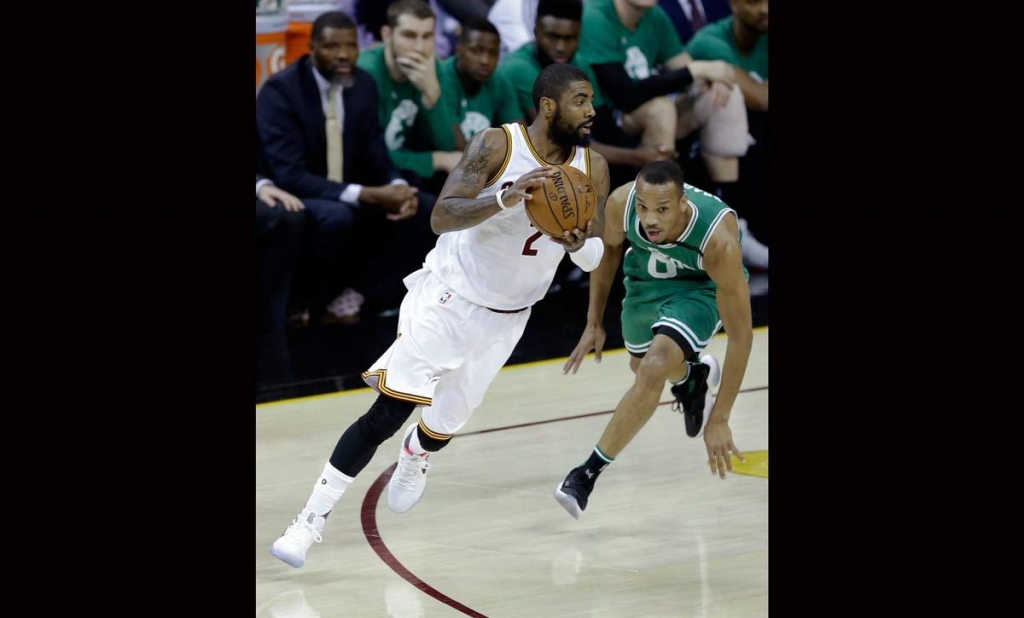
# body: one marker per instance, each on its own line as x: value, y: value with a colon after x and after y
x: 564, y: 135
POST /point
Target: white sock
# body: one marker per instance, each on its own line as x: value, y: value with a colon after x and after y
x: 686, y: 377
x: 327, y: 490
x: 413, y: 443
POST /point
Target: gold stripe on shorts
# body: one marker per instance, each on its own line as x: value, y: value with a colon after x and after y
x: 434, y: 434
x: 382, y: 376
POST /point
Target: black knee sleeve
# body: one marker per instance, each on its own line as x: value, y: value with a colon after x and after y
x: 384, y: 418
x: 357, y: 445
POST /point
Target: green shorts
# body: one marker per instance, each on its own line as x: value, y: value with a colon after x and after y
x: 687, y: 312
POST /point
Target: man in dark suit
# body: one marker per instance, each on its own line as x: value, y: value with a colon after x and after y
x: 365, y: 219
x: 279, y: 222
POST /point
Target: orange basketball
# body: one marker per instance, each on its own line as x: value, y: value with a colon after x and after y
x: 566, y: 201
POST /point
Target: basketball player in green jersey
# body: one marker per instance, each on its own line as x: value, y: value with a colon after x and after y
x: 684, y: 280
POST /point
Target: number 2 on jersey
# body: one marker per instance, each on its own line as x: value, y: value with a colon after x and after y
x: 528, y: 246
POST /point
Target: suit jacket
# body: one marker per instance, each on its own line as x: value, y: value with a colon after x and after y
x: 713, y: 9
x: 291, y: 138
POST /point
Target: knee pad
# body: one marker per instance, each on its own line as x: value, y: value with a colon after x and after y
x: 385, y: 417
x: 724, y: 133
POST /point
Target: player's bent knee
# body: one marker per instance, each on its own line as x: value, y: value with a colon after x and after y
x: 654, y: 369
x: 385, y: 417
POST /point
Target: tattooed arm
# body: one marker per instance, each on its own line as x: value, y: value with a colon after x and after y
x: 458, y: 206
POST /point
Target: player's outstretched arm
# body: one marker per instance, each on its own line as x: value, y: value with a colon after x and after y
x: 601, y: 279
x: 724, y: 264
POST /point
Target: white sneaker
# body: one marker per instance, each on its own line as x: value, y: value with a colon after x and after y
x: 298, y: 538
x: 410, y: 478
x: 714, y: 380
x: 714, y: 372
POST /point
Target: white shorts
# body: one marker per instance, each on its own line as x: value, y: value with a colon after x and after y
x: 447, y: 353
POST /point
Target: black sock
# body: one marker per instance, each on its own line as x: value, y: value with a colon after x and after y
x: 597, y: 462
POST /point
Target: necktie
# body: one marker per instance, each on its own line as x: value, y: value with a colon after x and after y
x: 696, y: 19
x: 334, y: 150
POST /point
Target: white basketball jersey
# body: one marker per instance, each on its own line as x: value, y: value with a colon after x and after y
x: 503, y: 263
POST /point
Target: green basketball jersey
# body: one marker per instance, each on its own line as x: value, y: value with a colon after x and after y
x: 682, y: 260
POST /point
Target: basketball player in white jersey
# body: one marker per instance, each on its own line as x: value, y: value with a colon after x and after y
x: 467, y: 307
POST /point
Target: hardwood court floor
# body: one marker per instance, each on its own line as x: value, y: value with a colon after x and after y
x: 661, y: 536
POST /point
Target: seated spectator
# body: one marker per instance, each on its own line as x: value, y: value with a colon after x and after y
x: 417, y: 129
x: 556, y: 35
x: 477, y: 97
x: 319, y: 138
x: 372, y: 15
x: 741, y: 39
x: 638, y: 59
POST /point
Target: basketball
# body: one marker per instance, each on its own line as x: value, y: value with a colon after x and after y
x: 566, y: 201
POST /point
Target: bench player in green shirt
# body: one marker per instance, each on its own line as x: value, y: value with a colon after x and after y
x: 476, y: 96
x: 625, y: 41
x: 741, y: 40
x: 684, y: 280
x: 417, y: 128
x: 556, y: 34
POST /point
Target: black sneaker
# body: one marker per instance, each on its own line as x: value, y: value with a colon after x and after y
x: 692, y: 396
x: 572, y: 493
